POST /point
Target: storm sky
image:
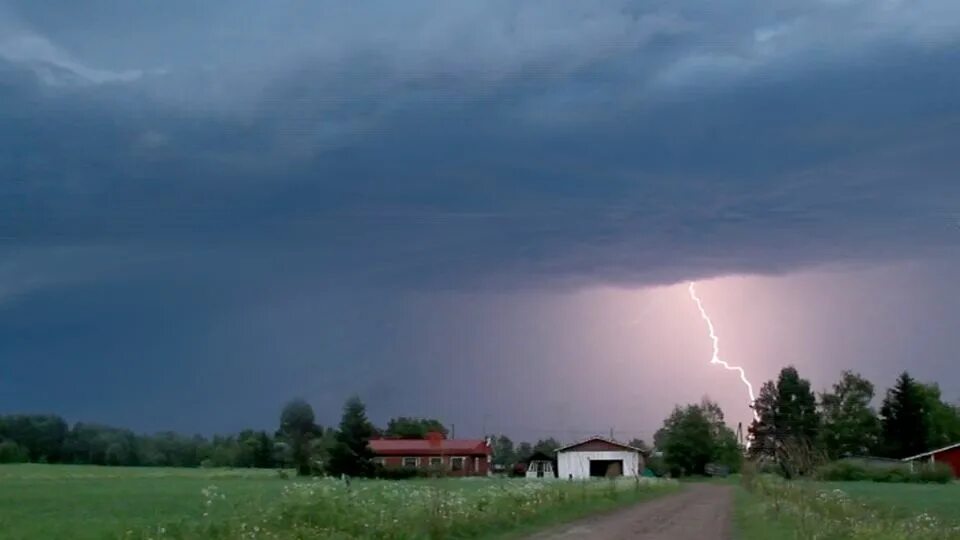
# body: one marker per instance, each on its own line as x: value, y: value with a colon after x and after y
x: 484, y: 212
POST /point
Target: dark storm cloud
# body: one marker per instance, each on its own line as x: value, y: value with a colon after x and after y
x: 188, y: 158
x: 644, y: 139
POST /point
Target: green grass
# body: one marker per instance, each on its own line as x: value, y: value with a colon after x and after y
x: 91, y: 503
x: 774, y: 508
x: 86, y: 502
x: 938, y: 500
x: 752, y: 521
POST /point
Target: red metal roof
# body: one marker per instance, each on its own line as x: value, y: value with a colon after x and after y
x: 596, y: 438
x: 933, y: 452
x: 425, y: 447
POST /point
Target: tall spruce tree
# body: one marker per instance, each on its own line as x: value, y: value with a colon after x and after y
x: 786, y: 415
x: 351, y: 454
x: 762, y: 432
x: 904, y: 419
x: 796, y: 416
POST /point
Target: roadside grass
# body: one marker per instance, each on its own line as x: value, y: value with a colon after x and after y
x: 753, y: 521
x: 93, y: 503
x: 770, y: 507
x: 940, y: 500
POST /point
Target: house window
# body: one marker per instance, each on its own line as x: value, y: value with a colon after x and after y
x: 410, y: 462
x: 456, y: 463
x: 379, y: 461
x: 436, y: 462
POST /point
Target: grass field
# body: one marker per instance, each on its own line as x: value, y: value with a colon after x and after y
x: 65, y: 501
x: 87, y: 503
x: 938, y: 500
x: 774, y: 509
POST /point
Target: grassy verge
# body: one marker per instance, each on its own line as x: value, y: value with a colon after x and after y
x: 806, y: 510
x: 753, y: 521
x: 95, y: 503
x: 478, y: 508
x: 941, y: 501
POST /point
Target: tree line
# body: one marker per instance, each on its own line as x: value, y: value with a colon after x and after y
x: 796, y: 429
x: 913, y: 418
x: 298, y: 442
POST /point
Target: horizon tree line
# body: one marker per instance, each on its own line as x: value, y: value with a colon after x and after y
x: 299, y: 442
x: 839, y: 422
x: 795, y: 428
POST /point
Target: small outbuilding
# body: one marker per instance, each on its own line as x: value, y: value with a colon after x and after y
x: 540, y: 465
x: 948, y: 455
x: 599, y: 457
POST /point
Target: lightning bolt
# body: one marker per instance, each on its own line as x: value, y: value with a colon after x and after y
x: 716, y: 346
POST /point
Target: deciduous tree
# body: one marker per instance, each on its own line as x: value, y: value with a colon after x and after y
x: 404, y: 427
x: 298, y: 427
x: 694, y: 436
x: 850, y: 425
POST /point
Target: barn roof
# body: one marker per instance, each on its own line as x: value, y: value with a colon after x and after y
x: 426, y: 447
x: 539, y: 456
x: 601, y: 439
x: 932, y: 452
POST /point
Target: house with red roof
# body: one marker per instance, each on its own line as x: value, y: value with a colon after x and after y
x: 453, y: 457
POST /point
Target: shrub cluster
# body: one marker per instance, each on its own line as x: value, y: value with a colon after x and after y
x: 847, y: 471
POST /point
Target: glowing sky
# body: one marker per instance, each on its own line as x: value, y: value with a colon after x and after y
x: 481, y: 211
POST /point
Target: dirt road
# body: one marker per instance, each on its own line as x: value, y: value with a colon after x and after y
x: 699, y: 512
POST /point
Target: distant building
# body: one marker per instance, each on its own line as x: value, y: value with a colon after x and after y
x: 540, y: 465
x: 598, y: 457
x: 949, y: 455
x: 451, y: 457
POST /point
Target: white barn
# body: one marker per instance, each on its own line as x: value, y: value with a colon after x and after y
x: 598, y: 457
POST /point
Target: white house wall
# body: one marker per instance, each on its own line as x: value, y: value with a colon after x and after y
x: 578, y: 463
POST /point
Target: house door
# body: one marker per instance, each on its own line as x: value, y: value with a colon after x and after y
x: 540, y: 466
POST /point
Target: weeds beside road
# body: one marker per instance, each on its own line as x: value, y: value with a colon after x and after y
x: 88, y: 502
x: 770, y: 508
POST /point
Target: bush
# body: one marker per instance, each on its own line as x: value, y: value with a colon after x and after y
x: 657, y: 466
x: 901, y: 474
x: 11, y: 452
x: 402, y: 473
x: 843, y: 471
x: 938, y: 473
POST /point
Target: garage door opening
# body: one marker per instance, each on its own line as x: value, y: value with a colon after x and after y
x: 606, y: 468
